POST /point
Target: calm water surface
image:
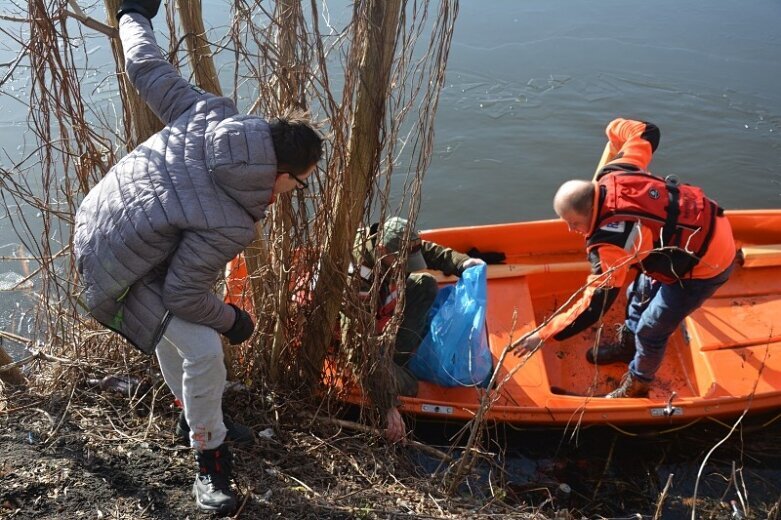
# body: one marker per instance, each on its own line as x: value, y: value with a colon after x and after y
x: 531, y: 86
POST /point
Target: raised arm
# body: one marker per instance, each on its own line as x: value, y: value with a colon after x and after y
x: 160, y: 85
x: 634, y: 143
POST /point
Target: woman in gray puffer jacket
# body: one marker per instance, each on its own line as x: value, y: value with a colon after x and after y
x: 154, y: 234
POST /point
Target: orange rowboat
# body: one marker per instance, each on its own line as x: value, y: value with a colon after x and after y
x: 726, y: 357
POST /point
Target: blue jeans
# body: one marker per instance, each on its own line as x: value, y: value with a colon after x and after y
x: 654, y: 311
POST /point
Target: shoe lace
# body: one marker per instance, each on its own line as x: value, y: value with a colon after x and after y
x: 215, y: 482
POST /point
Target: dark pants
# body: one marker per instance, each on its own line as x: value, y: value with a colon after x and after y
x: 420, y: 293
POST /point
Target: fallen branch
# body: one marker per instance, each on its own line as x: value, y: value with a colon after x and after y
x: 9, y: 372
x: 6, y: 365
x: 8, y: 18
x: 350, y: 425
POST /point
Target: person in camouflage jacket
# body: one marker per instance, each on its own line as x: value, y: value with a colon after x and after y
x: 376, y: 253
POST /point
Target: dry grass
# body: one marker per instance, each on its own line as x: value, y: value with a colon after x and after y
x: 98, y: 454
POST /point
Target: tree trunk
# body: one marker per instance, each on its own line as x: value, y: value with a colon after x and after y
x: 290, y: 81
x: 363, y: 161
x: 289, y: 93
x: 199, y: 52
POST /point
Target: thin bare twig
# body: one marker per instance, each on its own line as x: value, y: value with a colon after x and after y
x: 350, y: 425
x: 660, y: 502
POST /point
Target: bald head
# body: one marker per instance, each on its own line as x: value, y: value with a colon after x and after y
x: 576, y: 195
x: 574, y: 202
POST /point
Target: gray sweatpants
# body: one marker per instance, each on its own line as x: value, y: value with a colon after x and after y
x: 191, y: 361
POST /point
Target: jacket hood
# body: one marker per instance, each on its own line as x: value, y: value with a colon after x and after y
x: 241, y: 159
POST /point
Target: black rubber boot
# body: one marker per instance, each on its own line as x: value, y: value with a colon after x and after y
x: 211, y: 488
x: 622, y: 349
x: 630, y: 387
x: 237, y: 433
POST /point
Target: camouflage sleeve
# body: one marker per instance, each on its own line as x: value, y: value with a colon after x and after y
x: 381, y: 386
x: 442, y: 258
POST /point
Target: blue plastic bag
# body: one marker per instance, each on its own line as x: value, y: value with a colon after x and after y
x: 455, y: 351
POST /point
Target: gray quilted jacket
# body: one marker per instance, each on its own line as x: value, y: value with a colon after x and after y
x: 154, y: 234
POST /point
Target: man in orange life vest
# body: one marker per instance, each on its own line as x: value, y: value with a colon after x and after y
x: 376, y: 252
x: 676, y: 236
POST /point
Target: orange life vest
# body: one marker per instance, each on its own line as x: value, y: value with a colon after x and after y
x: 680, y: 216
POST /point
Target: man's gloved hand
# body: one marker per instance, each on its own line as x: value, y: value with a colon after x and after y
x: 146, y: 8
x: 471, y: 262
x: 242, y: 328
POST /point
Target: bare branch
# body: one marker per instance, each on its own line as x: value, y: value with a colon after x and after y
x: 90, y: 22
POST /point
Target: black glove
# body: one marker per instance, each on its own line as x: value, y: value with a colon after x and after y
x: 489, y: 257
x: 242, y: 328
x: 146, y: 8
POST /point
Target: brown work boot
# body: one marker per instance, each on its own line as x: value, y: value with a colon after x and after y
x: 621, y: 349
x: 630, y: 387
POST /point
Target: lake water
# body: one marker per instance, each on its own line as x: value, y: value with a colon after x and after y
x: 530, y: 87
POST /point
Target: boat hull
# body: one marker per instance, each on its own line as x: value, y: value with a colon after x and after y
x: 726, y: 357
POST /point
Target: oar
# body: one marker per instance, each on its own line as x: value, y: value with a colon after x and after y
x: 602, y: 160
x: 514, y: 270
x: 768, y: 255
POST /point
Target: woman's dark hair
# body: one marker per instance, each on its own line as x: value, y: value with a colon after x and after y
x: 297, y: 144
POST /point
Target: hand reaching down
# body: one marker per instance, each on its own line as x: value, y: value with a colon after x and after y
x: 395, y: 431
x: 528, y: 344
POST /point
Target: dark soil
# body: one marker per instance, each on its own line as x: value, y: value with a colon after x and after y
x: 97, y: 455
x: 107, y: 456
